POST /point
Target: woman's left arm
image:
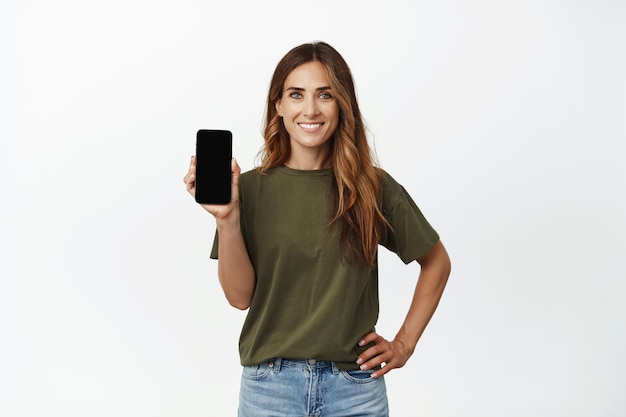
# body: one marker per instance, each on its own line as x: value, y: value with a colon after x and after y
x: 435, y: 269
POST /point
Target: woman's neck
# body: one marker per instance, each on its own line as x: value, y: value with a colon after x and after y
x: 308, y: 160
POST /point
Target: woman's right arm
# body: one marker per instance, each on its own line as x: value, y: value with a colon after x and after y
x: 234, y: 268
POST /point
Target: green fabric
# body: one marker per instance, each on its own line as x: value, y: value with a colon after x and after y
x: 308, y: 303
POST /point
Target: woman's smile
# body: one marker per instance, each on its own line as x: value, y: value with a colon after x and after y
x: 309, y: 113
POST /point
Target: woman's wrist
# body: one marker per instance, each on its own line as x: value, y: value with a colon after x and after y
x: 231, y: 222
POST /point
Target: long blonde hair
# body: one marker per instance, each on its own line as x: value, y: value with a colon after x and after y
x: 357, y: 182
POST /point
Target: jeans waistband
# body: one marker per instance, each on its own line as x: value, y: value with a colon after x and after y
x: 277, y: 363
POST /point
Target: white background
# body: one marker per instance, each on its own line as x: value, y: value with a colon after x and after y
x: 506, y: 121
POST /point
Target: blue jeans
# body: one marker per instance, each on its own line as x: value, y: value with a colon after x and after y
x: 301, y: 388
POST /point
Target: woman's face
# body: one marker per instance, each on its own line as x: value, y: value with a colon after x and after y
x: 308, y: 107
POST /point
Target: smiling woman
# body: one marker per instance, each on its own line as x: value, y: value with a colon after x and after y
x: 297, y: 245
x: 310, y: 114
x: 356, y: 181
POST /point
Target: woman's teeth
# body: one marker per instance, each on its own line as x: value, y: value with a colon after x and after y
x: 310, y: 125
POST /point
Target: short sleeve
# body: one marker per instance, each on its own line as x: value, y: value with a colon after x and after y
x: 216, y: 244
x: 411, y: 235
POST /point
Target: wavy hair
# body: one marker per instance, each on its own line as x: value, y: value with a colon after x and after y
x: 357, y: 181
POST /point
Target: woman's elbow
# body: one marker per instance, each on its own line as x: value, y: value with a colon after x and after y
x: 241, y: 300
x: 239, y: 304
x: 238, y: 290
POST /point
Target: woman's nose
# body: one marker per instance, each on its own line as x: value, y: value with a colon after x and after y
x: 310, y: 107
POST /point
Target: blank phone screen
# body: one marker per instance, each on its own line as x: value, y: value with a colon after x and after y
x: 213, y: 166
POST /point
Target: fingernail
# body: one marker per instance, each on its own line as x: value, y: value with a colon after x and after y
x: 359, y: 361
x: 361, y: 342
x: 363, y: 367
x: 374, y: 375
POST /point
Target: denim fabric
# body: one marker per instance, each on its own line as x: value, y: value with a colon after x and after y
x: 305, y: 388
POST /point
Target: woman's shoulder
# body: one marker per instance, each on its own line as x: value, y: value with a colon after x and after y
x: 255, y: 174
x: 255, y: 177
x: 389, y: 183
x: 392, y: 190
x: 249, y: 178
x: 250, y: 174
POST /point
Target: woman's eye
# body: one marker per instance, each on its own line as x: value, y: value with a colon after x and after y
x: 295, y: 95
x: 326, y: 96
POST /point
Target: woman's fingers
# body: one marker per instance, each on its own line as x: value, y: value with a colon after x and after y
x: 383, y: 353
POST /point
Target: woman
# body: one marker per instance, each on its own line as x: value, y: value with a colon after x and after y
x: 298, y: 243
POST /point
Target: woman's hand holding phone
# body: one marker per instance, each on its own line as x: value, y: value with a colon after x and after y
x: 222, y: 212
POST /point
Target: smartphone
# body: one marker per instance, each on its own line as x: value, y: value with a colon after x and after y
x: 213, y: 166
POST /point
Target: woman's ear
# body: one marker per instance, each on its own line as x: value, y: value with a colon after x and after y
x: 279, y: 108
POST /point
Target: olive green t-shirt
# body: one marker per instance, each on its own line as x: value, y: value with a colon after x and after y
x: 309, y: 303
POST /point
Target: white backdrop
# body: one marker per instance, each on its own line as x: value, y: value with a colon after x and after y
x: 506, y: 121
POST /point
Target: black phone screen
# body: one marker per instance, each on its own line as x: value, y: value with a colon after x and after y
x: 213, y: 166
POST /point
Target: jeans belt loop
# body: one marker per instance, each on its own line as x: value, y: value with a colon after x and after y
x: 277, y: 363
